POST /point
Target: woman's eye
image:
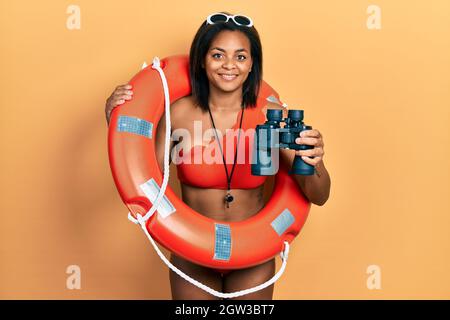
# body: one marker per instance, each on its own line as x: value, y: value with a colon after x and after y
x: 241, y: 57
x: 216, y: 55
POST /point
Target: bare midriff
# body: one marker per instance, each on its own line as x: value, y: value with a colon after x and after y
x: 210, y: 202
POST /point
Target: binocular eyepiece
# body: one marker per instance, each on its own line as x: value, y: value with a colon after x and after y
x: 269, y: 137
x: 277, y: 115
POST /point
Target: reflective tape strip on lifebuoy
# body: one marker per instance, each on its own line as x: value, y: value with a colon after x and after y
x: 175, y: 226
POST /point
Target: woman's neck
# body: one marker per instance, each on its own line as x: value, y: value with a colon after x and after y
x: 224, y: 101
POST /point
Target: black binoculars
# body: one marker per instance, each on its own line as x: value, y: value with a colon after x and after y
x: 270, y: 137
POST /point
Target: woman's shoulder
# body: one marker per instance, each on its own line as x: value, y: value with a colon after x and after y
x: 184, y: 102
x: 181, y: 110
x: 273, y: 105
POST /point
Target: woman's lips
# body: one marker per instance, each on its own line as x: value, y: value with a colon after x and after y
x: 228, y: 77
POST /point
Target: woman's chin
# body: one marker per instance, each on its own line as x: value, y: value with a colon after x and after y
x: 230, y: 87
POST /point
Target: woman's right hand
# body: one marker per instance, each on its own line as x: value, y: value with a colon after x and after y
x: 118, y: 97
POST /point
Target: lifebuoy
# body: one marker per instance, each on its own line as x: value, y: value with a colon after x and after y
x: 177, y: 227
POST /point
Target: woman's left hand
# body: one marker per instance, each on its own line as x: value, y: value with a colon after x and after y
x: 312, y: 138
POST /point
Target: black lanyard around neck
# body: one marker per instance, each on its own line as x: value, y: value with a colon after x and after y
x: 228, y: 197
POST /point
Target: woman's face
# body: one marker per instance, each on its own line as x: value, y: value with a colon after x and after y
x: 228, y: 61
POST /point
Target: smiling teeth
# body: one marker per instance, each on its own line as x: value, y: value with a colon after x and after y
x: 228, y: 77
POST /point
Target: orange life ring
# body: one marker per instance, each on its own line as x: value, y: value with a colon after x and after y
x: 177, y: 227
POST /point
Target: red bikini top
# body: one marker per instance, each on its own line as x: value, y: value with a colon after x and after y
x: 202, y: 167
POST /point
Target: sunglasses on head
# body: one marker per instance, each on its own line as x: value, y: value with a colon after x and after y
x: 238, y: 19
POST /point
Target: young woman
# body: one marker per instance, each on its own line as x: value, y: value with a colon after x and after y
x: 226, y: 71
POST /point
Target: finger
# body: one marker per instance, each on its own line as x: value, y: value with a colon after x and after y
x: 316, y: 152
x: 124, y: 86
x: 310, y: 133
x: 126, y: 97
x: 118, y: 102
x: 308, y: 141
x: 312, y: 161
x: 119, y: 93
x: 114, y: 102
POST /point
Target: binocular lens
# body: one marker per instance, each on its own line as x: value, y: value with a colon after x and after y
x: 274, y: 115
x: 295, y: 115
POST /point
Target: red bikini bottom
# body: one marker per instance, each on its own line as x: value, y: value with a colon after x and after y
x: 223, y: 271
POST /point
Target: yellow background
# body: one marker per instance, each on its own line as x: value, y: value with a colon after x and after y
x: 380, y: 98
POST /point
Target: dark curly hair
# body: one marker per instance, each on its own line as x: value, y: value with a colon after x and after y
x: 199, y: 48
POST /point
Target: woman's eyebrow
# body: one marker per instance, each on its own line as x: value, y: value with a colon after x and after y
x: 223, y: 50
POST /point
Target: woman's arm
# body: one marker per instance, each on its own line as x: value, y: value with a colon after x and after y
x: 178, y: 111
x: 315, y: 187
x: 160, y: 141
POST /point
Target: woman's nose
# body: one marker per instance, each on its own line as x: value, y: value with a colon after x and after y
x: 228, y: 64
